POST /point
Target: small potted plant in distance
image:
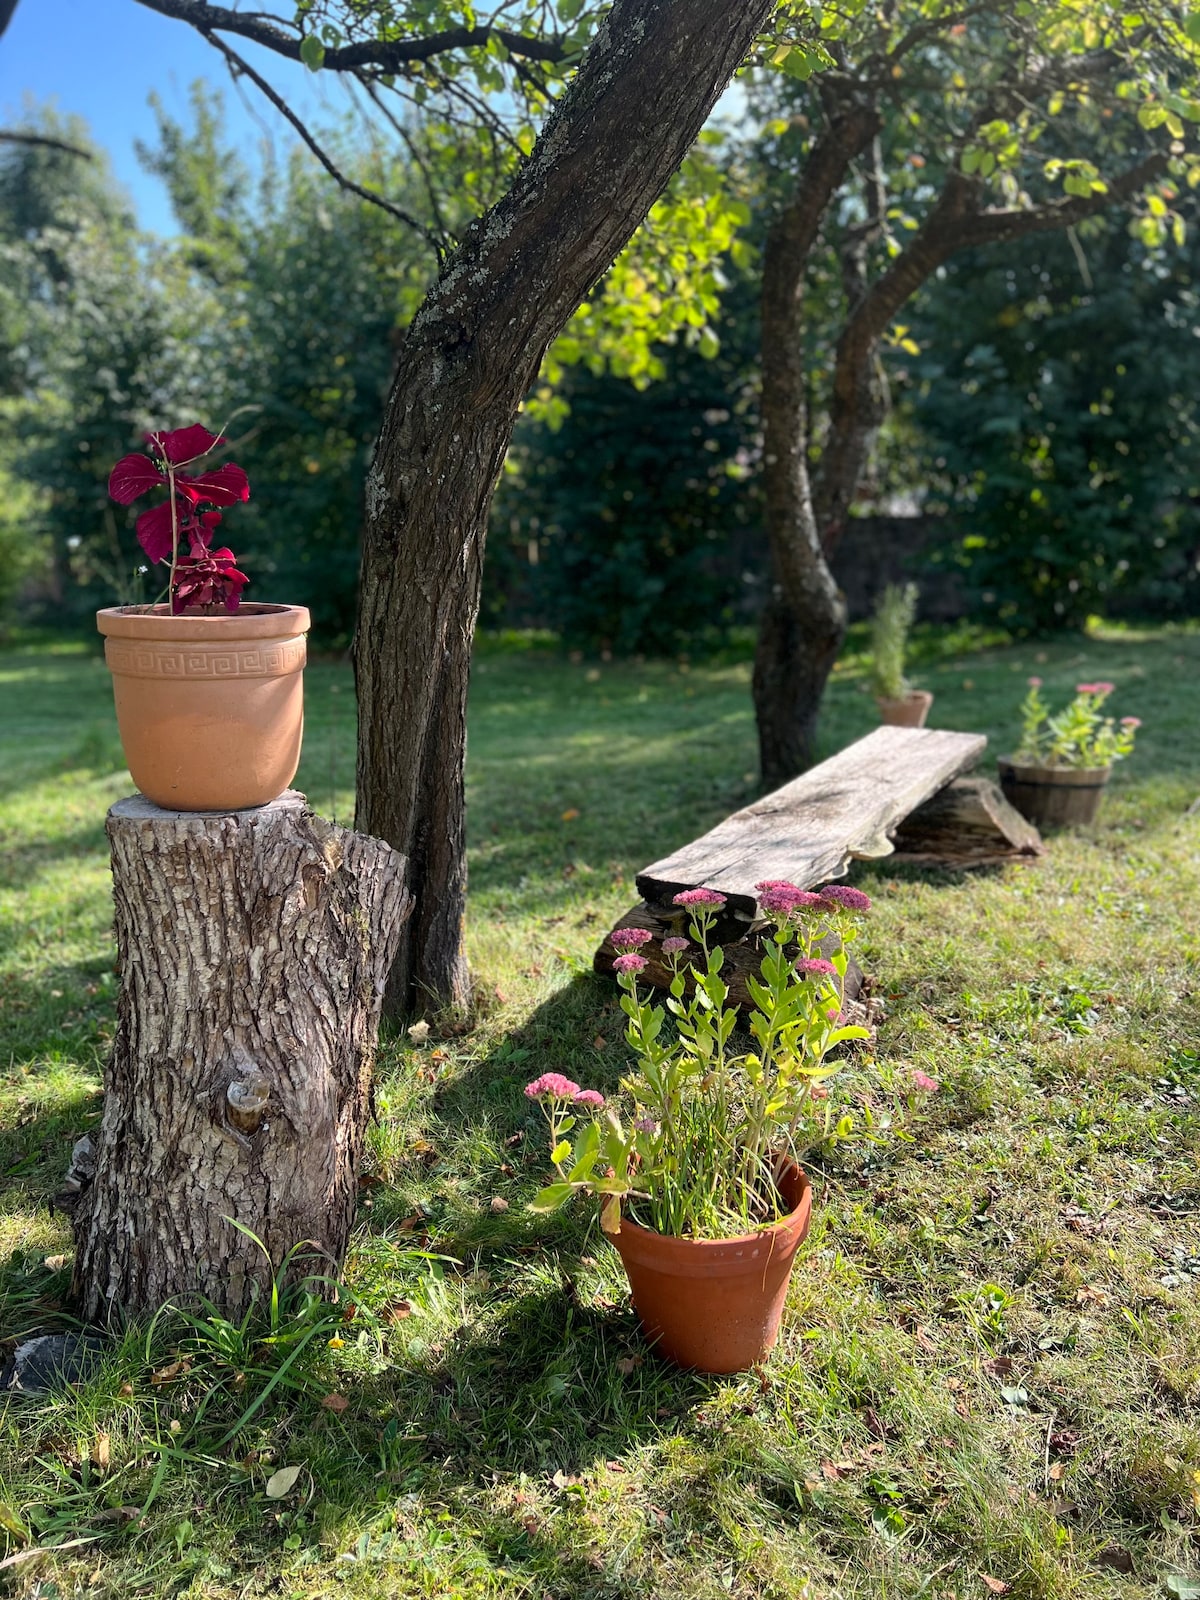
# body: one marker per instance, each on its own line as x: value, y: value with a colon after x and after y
x: 1063, y: 762
x: 699, y: 1173
x: 209, y: 692
x: 899, y: 703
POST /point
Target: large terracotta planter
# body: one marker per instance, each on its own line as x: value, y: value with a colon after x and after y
x: 909, y: 711
x: 1054, y: 796
x: 210, y: 709
x: 715, y: 1304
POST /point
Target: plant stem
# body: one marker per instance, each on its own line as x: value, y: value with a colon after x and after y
x: 174, y: 537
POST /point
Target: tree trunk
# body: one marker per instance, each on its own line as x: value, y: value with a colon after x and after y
x: 804, y: 621
x: 653, y: 73
x: 253, y: 950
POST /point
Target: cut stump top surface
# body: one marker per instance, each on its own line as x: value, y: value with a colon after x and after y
x: 136, y: 808
x: 810, y: 830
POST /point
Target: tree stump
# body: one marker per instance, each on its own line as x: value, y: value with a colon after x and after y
x: 253, y: 952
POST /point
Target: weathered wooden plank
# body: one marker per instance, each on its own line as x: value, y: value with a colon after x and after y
x: 810, y: 830
x: 969, y: 823
x: 743, y: 957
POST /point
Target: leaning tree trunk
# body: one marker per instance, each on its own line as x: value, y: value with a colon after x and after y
x: 653, y: 73
x: 254, y: 947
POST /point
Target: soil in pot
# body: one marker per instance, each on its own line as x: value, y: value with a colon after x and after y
x: 210, y: 708
x: 715, y: 1305
x: 909, y: 711
x: 1054, y: 796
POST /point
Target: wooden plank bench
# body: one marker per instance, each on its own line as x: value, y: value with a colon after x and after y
x: 897, y: 792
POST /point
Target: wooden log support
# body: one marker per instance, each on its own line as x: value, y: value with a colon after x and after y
x: 253, y: 950
x: 969, y: 823
x: 810, y: 830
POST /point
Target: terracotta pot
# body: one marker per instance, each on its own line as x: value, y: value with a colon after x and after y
x: 1054, y: 796
x: 715, y: 1304
x: 210, y: 709
x: 909, y: 711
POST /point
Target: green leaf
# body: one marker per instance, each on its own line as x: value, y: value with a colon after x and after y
x: 586, y: 1151
x: 312, y: 52
x: 1191, y: 26
x: 1181, y: 1586
x: 551, y: 1197
x: 561, y: 1151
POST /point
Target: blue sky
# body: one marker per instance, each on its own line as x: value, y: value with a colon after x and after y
x: 102, y: 58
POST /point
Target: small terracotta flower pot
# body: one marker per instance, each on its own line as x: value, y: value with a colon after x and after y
x: 210, y: 709
x: 909, y: 711
x: 1054, y: 796
x: 715, y: 1304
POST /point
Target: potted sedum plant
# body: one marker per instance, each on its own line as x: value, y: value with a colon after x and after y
x: 209, y: 690
x: 899, y: 703
x: 698, y: 1168
x: 1062, y: 764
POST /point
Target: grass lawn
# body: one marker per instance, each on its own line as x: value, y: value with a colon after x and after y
x: 989, y: 1377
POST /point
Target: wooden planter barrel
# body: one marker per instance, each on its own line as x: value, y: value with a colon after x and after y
x: 1054, y: 796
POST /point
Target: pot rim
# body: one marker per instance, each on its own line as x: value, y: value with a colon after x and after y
x: 904, y: 699
x: 254, y: 620
x: 1059, y: 777
x: 697, y: 1250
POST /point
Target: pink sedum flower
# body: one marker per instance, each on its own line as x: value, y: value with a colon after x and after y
x: 815, y: 967
x: 646, y: 1125
x: 1131, y: 722
x: 674, y: 945
x: 630, y: 938
x: 926, y: 1084
x: 1034, y: 683
x: 590, y: 1097
x: 630, y: 963
x: 841, y: 897
x: 699, y: 897
x: 553, y: 1086
x: 785, y: 900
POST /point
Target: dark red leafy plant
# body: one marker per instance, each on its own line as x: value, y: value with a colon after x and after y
x: 200, y: 577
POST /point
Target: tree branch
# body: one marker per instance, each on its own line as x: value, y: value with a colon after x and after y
x: 44, y: 141
x: 954, y: 224
x: 385, y: 55
x: 237, y: 65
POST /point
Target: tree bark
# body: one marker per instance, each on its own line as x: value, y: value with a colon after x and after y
x: 803, y: 622
x: 650, y: 78
x: 253, y: 949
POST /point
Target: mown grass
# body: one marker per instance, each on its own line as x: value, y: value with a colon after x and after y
x: 990, y: 1371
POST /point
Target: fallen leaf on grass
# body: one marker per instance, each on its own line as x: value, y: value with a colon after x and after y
x: 117, y: 1514
x: 337, y: 1403
x: 1115, y: 1558
x: 101, y: 1452
x: 995, y: 1585
x: 167, y: 1374
x: 498, y: 1203
x: 562, y: 1480
x: 55, y: 1263
x: 999, y: 1366
x: 570, y: 814
x: 628, y: 1364
x: 398, y: 1311
x: 419, y: 1032
x: 282, y: 1482
x: 599, y: 1042
x: 616, y: 1466
x: 1056, y: 1472
x: 1089, y: 1295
